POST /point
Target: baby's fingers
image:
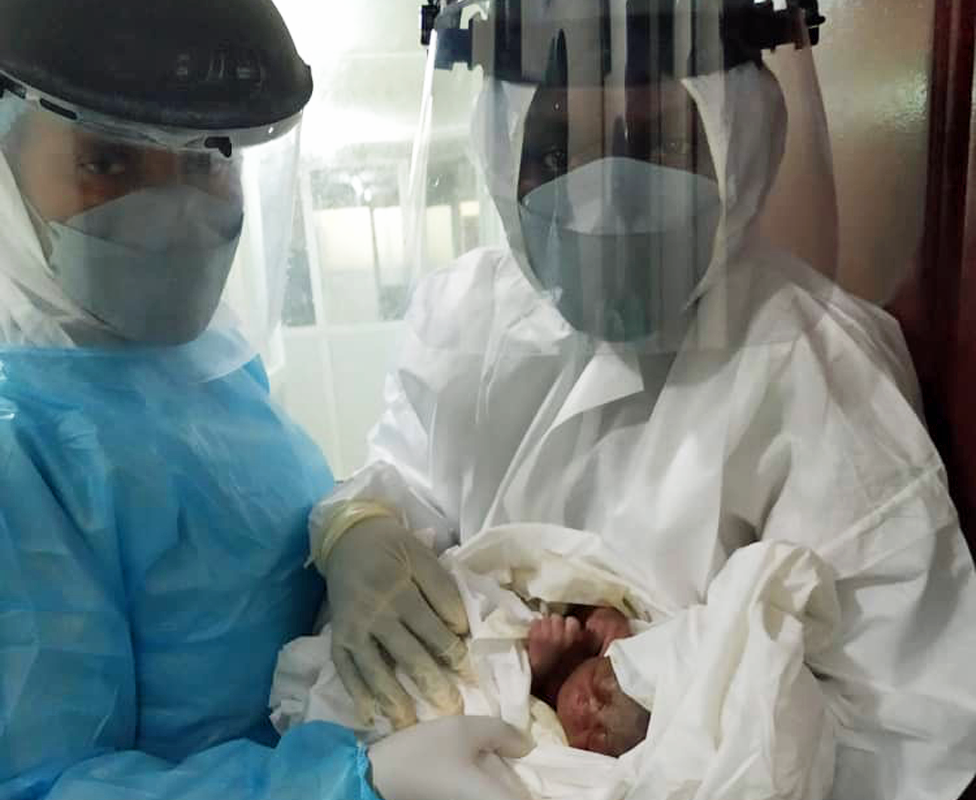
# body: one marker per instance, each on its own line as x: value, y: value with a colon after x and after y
x: 572, y: 631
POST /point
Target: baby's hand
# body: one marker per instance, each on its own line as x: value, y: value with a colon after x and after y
x: 606, y: 625
x: 549, y: 639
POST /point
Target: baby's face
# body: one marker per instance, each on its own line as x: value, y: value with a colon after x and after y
x: 595, y: 713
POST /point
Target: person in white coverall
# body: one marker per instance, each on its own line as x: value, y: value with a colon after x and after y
x: 638, y: 363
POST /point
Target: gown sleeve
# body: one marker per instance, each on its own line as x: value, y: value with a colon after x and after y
x: 69, y: 714
x: 864, y: 487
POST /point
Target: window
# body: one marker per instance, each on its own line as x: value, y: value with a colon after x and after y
x: 349, y: 275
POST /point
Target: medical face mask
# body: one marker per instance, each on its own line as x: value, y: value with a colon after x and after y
x: 151, y: 265
x: 620, y: 245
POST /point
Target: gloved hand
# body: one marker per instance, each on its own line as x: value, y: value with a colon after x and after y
x: 387, y: 590
x: 455, y: 758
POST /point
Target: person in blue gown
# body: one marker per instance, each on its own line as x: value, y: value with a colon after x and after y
x: 153, y: 499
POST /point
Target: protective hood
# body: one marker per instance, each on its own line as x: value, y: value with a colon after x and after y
x: 34, y: 309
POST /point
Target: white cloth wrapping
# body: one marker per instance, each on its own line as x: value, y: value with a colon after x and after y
x: 772, y: 604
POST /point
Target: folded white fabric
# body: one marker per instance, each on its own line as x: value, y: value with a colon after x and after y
x: 735, y: 711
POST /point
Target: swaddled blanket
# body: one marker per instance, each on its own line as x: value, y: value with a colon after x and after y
x: 735, y: 713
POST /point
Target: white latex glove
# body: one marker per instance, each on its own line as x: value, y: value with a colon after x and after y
x: 392, y: 600
x: 456, y: 758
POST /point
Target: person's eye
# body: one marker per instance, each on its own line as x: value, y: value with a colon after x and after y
x: 676, y: 149
x: 205, y: 165
x: 680, y: 147
x: 105, y: 166
x: 555, y: 161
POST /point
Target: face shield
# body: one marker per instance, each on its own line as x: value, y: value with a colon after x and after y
x: 630, y: 149
x: 147, y: 199
x: 129, y: 235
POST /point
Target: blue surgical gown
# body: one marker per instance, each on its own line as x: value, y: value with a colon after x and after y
x: 152, y: 540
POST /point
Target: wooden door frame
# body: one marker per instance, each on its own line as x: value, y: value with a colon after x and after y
x: 937, y: 308
x: 931, y: 307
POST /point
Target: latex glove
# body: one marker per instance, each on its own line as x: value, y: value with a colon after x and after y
x: 456, y: 758
x: 391, y: 600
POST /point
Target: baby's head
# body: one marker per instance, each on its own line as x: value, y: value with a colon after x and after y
x: 596, y: 714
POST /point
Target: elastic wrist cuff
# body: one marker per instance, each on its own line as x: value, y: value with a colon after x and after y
x: 350, y: 515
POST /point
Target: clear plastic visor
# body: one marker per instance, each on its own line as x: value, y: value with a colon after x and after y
x: 636, y: 160
x: 116, y: 241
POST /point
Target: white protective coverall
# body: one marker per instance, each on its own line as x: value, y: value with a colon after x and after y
x: 802, y: 426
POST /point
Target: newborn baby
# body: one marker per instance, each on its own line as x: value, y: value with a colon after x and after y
x: 571, y: 673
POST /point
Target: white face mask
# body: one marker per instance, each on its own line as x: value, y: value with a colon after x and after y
x: 151, y: 265
x: 621, y: 244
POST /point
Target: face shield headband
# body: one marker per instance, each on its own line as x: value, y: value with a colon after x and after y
x: 646, y: 39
